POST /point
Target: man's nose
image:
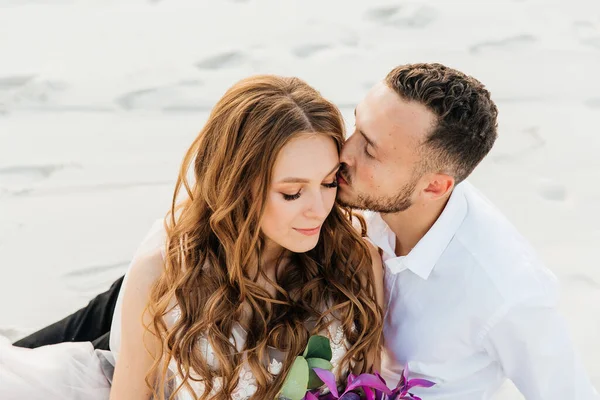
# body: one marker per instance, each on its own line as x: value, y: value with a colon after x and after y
x: 346, y: 153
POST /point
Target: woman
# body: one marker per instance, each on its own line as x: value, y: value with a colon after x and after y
x: 252, y: 259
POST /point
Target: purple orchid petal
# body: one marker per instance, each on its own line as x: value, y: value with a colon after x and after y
x: 368, y: 380
x: 380, y: 377
x: 406, y: 372
x: 369, y: 393
x: 402, y: 381
x: 310, y: 396
x: 410, y: 396
x: 329, y: 379
x: 351, y: 377
x: 379, y: 395
x: 419, y: 383
x: 350, y: 396
x: 398, y: 393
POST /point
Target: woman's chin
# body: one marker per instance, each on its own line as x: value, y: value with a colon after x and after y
x: 304, y: 246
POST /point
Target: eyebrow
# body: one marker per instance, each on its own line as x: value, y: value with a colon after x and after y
x: 303, y: 180
x: 368, y: 139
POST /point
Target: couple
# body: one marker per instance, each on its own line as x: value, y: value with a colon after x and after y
x: 260, y: 251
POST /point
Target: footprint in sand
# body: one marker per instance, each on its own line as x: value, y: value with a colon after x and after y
x: 405, y: 16
x: 128, y: 100
x: 182, y: 95
x: 414, y: 17
x: 9, y: 85
x: 12, y: 334
x: 350, y: 40
x: 94, y: 278
x: 14, y: 81
x: 223, y: 60
x: 190, y: 83
x: 530, y: 141
x: 27, y: 174
x: 593, y: 102
x: 581, y: 279
x: 381, y: 14
x: 508, y: 43
x: 588, y: 33
x: 309, y: 50
x: 552, y: 190
x: 26, y: 89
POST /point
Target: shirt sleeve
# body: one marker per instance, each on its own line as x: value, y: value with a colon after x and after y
x: 532, y: 344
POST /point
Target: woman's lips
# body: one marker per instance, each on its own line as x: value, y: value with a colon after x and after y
x: 309, y: 232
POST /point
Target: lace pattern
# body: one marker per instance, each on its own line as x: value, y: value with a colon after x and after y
x: 246, y: 387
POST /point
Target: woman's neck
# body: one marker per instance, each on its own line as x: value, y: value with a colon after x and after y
x: 271, y: 258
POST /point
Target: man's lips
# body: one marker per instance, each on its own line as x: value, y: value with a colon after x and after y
x: 341, y: 180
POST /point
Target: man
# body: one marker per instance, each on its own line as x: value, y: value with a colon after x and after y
x: 468, y: 304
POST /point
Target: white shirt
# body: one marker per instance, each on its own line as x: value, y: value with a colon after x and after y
x: 472, y: 305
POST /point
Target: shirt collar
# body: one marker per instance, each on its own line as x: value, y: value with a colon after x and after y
x: 423, y: 257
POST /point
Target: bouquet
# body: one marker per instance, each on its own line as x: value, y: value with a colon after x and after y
x: 311, y: 373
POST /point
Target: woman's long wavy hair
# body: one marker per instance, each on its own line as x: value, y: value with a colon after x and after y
x: 214, y: 246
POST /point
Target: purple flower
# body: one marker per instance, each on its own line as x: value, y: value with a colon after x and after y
x: 402, y: 390
x: 373, y: 386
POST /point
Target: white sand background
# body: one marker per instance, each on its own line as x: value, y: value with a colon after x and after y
x: 99, y: 99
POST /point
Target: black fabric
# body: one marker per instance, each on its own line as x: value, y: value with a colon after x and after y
x: 89, y: 324
x: 102, y: 342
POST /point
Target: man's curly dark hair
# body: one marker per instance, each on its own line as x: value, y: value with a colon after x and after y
x: 466, y: 126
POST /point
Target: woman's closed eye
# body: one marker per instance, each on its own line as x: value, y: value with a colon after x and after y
x: 332, y: 184
x: 289, y: 197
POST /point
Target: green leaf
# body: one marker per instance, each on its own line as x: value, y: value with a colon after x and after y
x: 314, y: 381
x: 318, y: 347
x: 296, y: 382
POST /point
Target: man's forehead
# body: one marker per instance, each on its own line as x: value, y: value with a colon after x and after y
x: 380, y: 105
x: 390, y: 117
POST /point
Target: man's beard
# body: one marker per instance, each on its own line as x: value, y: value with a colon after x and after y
x: 387, y: 205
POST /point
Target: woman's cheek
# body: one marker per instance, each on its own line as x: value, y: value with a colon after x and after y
x: 331, y: 199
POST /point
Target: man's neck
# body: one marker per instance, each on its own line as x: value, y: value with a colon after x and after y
x: 411, y: 225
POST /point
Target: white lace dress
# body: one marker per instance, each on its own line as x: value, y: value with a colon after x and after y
x: 75, y: 371
x: 247, y: 383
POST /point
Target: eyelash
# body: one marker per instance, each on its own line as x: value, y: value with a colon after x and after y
x: 291, y: 197
x: 365, y: 149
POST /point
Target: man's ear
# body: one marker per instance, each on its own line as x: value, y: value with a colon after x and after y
x: 439, y: 186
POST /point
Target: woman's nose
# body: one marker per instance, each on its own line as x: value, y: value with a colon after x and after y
x: 317, y: 208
